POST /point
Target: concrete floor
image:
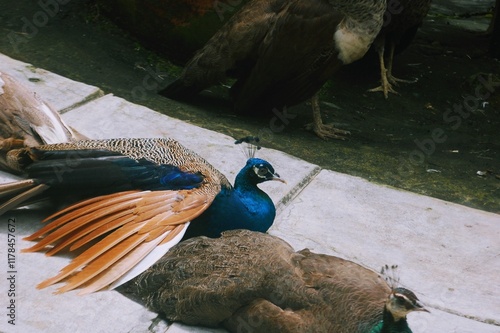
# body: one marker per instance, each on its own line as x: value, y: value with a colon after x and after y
x: 448, y: 254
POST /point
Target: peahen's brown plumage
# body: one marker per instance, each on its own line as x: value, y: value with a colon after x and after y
x: 254, y: 282
x: 281, y: 52
x: 27, y: 120
x: 149, y: 192
x: 402, y: 20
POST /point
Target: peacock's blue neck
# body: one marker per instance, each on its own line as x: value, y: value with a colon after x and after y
x: 243, y: 207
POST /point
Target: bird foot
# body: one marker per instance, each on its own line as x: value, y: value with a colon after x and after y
x: 327, y: 131
x: 394, y: 80
x: 386, y: 89
x: 11, y: 143
x: 387, y: 85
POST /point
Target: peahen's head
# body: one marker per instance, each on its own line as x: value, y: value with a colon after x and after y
x: 403, y: 301
x: 256, y: 171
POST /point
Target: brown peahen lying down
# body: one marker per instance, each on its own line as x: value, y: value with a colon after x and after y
x: 254, y: 282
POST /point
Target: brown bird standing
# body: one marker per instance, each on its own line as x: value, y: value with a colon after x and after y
x: 281, y: 52
x: 255, y: 282
x: 402, y: 20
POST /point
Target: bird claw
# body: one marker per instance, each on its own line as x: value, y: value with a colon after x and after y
x: 328, y: 131
x: 395, y: 80
x: 387, y: 83
x: 386, y: 89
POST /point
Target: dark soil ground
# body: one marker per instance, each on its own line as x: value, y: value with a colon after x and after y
x: 439, y: 137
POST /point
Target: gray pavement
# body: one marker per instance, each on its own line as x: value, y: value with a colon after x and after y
x: 448, y: 254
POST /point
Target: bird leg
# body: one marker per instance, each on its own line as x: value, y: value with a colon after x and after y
x: 387, y: 80
x: 385, y: 85
x: 390, y: 77
x: 324, y: 131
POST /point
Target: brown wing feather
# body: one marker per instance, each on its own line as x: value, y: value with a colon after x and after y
x: 102, y: 261
x: 117, y: 270
x: 85, y: 236
x: 137, y: 222
x: 76, y: 215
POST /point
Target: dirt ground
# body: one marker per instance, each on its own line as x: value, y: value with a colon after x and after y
x: 438, y: 137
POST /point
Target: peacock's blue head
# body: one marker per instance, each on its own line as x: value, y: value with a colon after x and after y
x: 257, y: 171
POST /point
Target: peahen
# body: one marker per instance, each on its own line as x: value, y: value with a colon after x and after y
x: 27, y: 120
x: 254, y: 282
x: 143, y: 194
x: 402, y: 20
x: 281, y: 52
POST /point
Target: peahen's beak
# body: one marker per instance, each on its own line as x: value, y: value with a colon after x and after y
x: 420, y: 307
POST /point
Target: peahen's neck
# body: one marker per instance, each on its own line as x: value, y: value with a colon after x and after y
x: 391, y: 325
x: 362, y: 22
x: 243, y: 206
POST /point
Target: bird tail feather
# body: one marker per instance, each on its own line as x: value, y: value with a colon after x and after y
x: 132, y: 238
x: 19, y: 192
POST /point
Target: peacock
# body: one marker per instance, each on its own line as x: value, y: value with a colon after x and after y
x: 403, y: 18
x: 140, y: 197
x: 27, y: 120
x: 281, y: 52
x: 255, y: 282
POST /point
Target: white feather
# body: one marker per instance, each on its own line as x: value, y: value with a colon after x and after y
x: 54, y: 130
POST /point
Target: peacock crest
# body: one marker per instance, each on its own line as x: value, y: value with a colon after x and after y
x: 250, y: 145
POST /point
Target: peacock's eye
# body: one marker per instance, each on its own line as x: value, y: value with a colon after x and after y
x: 262, y: 170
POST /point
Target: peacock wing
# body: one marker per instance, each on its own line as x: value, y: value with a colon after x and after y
x: 138, y: 228
x: 159, y: 186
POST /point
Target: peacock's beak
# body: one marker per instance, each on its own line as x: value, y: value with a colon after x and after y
x: 276, y: 177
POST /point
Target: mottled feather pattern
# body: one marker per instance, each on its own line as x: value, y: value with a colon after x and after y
x: 156, y: 150
x: 363, y: 17
x: 246, y: 278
